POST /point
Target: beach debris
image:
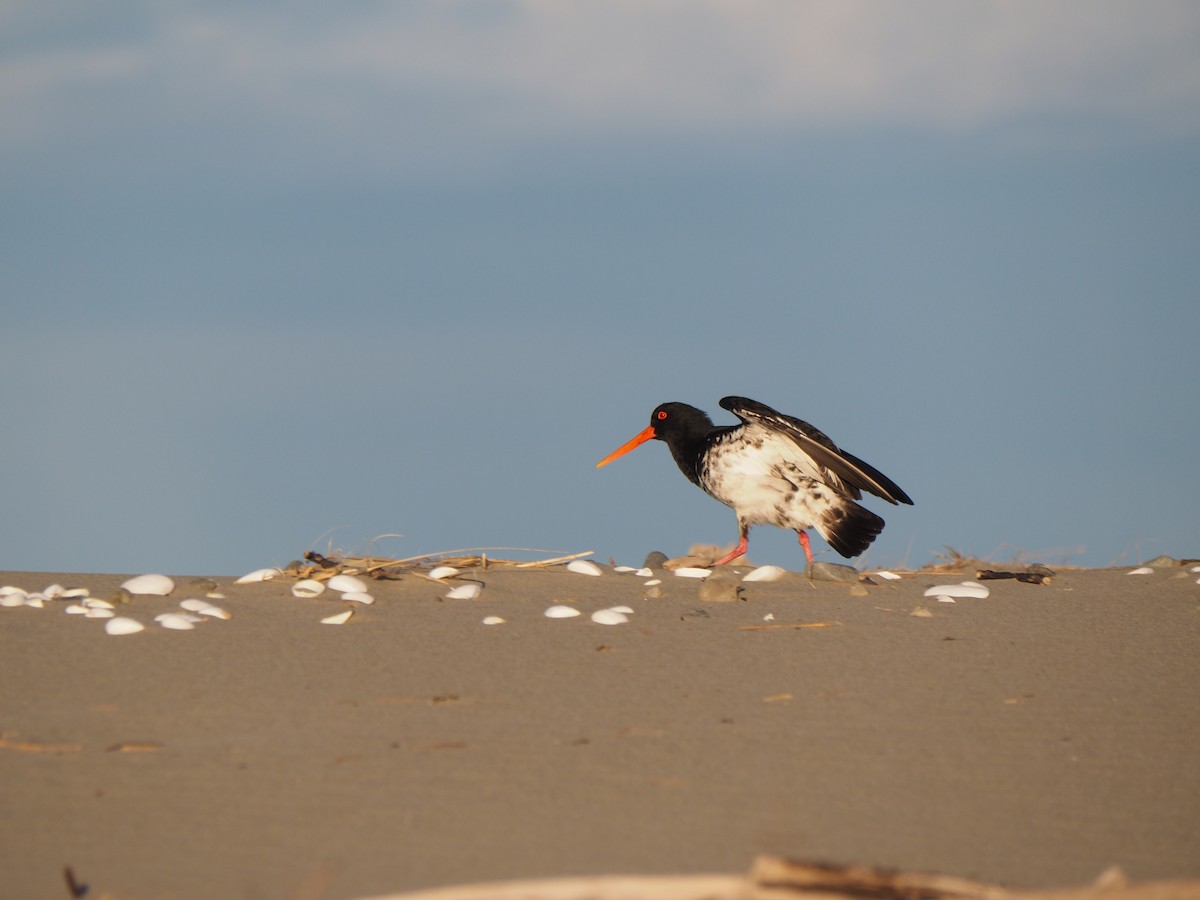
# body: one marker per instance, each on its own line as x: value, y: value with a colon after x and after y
x: 609, y: 617
x: 259, y: 575
x: 443, y: 572
x: 921, y: 613
x: 887, y: 575
x: 561, y: 611
x: 7, y: 743
x: 1033, y: 575
x: 769, y: 617
x: 469, y: 591
x: 340, y: 619
x: 692, y: 572
x: 359, y: 597
x: 965, y: 589
x: 493, y: 620
x: 774, y: 626
x: 583, y: 567
x: 123, y: 625
x: 134, y: 747
x: 308, y: 587
x: 155, y: 585
x: 765, y: 573
x: 347, y: 584
x: 177, y: 621
x: 827, y: 571
x: 1141, y: 570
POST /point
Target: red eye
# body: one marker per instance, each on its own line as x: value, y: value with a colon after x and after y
x: 662, y: 415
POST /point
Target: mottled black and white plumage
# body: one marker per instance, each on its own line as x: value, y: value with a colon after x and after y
x: 773, y: 469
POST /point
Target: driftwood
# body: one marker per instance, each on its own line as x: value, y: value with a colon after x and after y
x: 774, y: 878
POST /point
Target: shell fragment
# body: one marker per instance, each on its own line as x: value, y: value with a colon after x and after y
x: 765, y: 573
x: 155, y: 585
x: 347, y: 584
x: 358, y: 597
x: 176, y: 621
x: 887, y: 576
x: 309, y: 587
x: 340, y: 619
x: 1141, y: 570
x: 123, y: 625
x: 583, y: 567
x: 493, y: 620
x: 561, y: 612
x: 609, y: 617
x: 258, y: 575
x: 966, y: 589
x: 693, y: 572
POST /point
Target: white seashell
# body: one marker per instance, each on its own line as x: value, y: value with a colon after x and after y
x: 1141, y: 570
x: 158, y: 585
x: 693, y: 572
x: 609, y: 617
x: 214, y: 612
x: 14, y: 600
x: 123, y: 625
x: 887, y: 576
x: 9, y: 589
x: 193, y: 605
x: 97, y: 603
x: 175, y: 621
x: 561, y: 612
x: 769, y: 617
x: 53, y: 592
x: 35, y: 601
x: 443, y: 572
x: 99, y: 613
x: 307, y: 588
x: 966, y: 589
x: 258, y: 575
x: 1193, y: 569
x: 358, y: 597
x: 652, y: 581
x: 493, y: 620
x: 340, y: 619
x: 942, y: 598
x: 583, y: 567
x: 765, y: 573
x: 76, y: 610
x: 624, y: 569
x: 628, y: 610
x: 215, y: 595
x: 644, y: 572
x: 468, y: 591
x: 73, y: 593
x: 346, y: 584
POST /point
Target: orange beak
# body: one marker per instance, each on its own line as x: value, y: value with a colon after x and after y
x: 646, y: 435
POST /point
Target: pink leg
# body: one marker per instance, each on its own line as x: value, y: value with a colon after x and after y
x: 737, y: 551
x: 805, y: 545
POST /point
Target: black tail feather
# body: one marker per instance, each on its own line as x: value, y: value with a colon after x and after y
x: 850, y: 529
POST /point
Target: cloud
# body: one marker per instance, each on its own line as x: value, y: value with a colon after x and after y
x: 440, y: 80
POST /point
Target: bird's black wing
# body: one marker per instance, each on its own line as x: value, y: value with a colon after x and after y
x: 849, y: 468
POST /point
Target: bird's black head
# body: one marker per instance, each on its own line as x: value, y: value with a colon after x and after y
x: 683, y: 428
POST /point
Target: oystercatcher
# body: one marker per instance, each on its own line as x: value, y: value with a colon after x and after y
x: 772, y: 469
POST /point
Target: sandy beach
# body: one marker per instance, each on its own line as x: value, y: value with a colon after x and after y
x: 1032, y: 738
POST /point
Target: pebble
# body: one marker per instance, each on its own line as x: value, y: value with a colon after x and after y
x: 721, y: 588
x: 827, y: 571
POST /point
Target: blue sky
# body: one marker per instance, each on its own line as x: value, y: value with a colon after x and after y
x: 281, y: 276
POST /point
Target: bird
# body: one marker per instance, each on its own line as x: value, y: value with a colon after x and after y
x: 772, y: 469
